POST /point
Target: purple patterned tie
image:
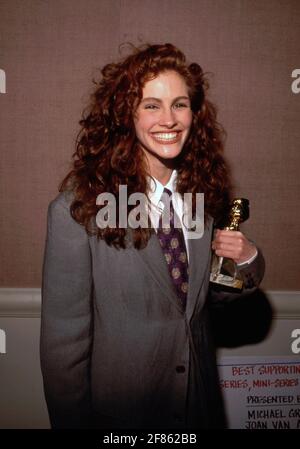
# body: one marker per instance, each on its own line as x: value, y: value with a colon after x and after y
x: 173, y: 245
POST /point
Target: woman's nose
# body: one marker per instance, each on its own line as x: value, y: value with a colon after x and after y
x: 167, y: 118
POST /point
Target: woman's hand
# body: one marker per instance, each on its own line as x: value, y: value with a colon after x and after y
x: 234, y: 245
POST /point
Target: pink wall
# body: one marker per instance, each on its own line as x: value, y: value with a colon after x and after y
x: 50, y: 50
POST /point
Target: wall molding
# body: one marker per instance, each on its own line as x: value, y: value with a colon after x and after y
x: 286, y: 304
x: 20, y: 302
x: 26, y: 303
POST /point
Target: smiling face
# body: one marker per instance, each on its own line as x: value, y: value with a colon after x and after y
x: 163, y: 120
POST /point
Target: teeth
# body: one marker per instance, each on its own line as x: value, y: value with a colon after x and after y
x: 165, y: 136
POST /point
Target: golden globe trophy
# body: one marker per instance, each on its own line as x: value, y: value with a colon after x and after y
x: 223, y: 270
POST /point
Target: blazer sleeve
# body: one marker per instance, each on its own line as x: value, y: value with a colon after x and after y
x: 245, y: 317
x: 66, y: 319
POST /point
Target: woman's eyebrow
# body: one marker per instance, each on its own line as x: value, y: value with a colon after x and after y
x: 159, y: 99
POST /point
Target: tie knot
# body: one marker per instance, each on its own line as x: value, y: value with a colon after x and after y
x: 167, y: 191
x: 166, y: 197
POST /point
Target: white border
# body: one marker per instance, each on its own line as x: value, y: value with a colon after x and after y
x: 26, y: 302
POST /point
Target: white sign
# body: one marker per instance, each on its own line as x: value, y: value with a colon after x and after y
x: 261, y: 392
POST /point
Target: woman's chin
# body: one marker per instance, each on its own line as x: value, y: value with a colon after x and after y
x: 169, y: 153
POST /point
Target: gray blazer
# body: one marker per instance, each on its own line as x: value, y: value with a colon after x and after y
x: 117, y: 349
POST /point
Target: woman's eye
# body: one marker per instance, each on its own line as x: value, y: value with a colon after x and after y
x: 180, y: 105
x: 151, y: 106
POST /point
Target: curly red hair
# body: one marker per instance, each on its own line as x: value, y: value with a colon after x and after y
x: 108, y: 155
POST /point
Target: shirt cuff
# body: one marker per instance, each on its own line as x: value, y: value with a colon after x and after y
x: 247, y: 262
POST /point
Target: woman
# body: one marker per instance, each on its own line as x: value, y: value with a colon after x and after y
x: 125, y: 338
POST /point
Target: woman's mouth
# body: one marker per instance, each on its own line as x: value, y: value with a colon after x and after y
x: 166, y: 137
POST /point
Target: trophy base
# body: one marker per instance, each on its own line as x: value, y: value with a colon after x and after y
x: 227, y: 281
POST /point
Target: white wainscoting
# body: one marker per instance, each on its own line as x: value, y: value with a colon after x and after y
x: 21, y: 388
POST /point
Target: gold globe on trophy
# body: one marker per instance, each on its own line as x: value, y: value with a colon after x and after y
x: 223, y: 270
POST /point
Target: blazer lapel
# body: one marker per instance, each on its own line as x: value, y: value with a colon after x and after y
x: 199, y: 257
x: 154, y: 260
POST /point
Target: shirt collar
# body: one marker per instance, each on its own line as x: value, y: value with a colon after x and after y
x: 156, y: 188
